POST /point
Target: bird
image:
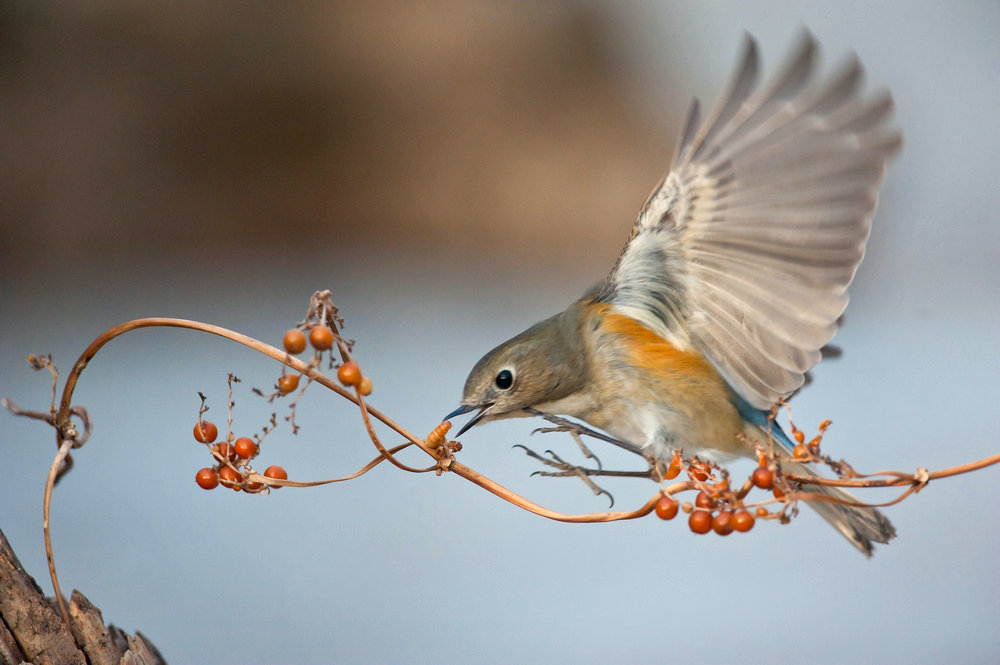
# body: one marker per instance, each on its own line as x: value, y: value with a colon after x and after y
x: 732, y: 281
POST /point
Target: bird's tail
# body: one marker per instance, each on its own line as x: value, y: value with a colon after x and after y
x: 861, y: 525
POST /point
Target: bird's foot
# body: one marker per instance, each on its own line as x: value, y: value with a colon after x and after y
x: 563, y: 469
x: 573, y: 432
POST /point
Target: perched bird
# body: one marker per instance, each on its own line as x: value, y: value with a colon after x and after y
x: 732, y: 280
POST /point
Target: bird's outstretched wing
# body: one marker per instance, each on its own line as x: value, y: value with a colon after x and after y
x: 746, y: 248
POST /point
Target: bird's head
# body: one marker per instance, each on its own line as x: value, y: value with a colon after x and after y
x: 538, y: 366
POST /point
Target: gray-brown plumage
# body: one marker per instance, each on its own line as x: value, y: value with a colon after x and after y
x: 734, y: 277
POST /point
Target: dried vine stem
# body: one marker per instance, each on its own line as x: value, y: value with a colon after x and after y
x: 898, y: 479
x: 68, y: 438
x: 50, y: 483
x: 256, y: 477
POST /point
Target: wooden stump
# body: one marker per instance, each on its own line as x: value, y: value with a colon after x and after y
x: 32, y: 631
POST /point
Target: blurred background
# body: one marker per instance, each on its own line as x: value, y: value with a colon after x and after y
x: 453, y: 172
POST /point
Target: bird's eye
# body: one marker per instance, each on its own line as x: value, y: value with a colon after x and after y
x: 505, y: 379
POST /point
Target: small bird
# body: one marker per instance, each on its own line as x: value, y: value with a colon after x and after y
x: 733, y: 279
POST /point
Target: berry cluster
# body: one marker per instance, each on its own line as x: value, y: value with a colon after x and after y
x: 233, y: 455
x: 322, y: 338
x: 719, y: 509
x: 232, y: 467
x: 708, y: 514
x: 716, y: 507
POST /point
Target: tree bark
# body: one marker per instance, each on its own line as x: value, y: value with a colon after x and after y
x: 31, y: 630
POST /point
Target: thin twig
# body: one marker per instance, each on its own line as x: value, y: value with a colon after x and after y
x: 896, y: 478
x: 278, y: 354
x: 385, y: 453
x: 499, y: 490
x: 50, y: 483
x: 267, y: 480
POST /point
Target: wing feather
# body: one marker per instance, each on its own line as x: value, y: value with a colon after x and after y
x: 747, y: 246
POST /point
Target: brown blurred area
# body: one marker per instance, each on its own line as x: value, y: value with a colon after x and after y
x: 138, y: 129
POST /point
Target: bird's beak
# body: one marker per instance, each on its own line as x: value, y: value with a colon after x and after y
x: 466, y: 408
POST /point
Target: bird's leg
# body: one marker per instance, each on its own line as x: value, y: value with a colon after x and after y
x: 564, y: 425
x: 567, y: 470
x: 576, y: 437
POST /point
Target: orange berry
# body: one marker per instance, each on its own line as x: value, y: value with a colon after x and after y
x: 722, y: 523
x: 365, y: 387
x: 743, y: 520
x: 763, y: 478
x: 288, y: 382
x: 295, y: 341
x: 207, y: 479
x: 800, y: 451
x: 762, y: 512
x: 823, y: 425
x: 245, y: 447
x: 778, y: 494
x: 700, y: 521
x: 321, y: 338
x: 703, y: 500
x: 349, y: 373
x: 229, y: 477
x: 666, y: 508
x: 223, y: 451
x: 206, y: 432
x: 687, y: 507
x: 799, y: 436
x: 275, y: 471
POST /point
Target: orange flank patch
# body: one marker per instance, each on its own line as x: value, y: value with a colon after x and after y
x: 652, y: 352
x: 679, y: 392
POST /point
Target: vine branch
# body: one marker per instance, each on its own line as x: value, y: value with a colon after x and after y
x: 435, y: 445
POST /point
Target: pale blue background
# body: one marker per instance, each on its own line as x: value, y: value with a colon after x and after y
x: 416, y: 569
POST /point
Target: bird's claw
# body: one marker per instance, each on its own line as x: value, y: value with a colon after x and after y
x: 567, y: 470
